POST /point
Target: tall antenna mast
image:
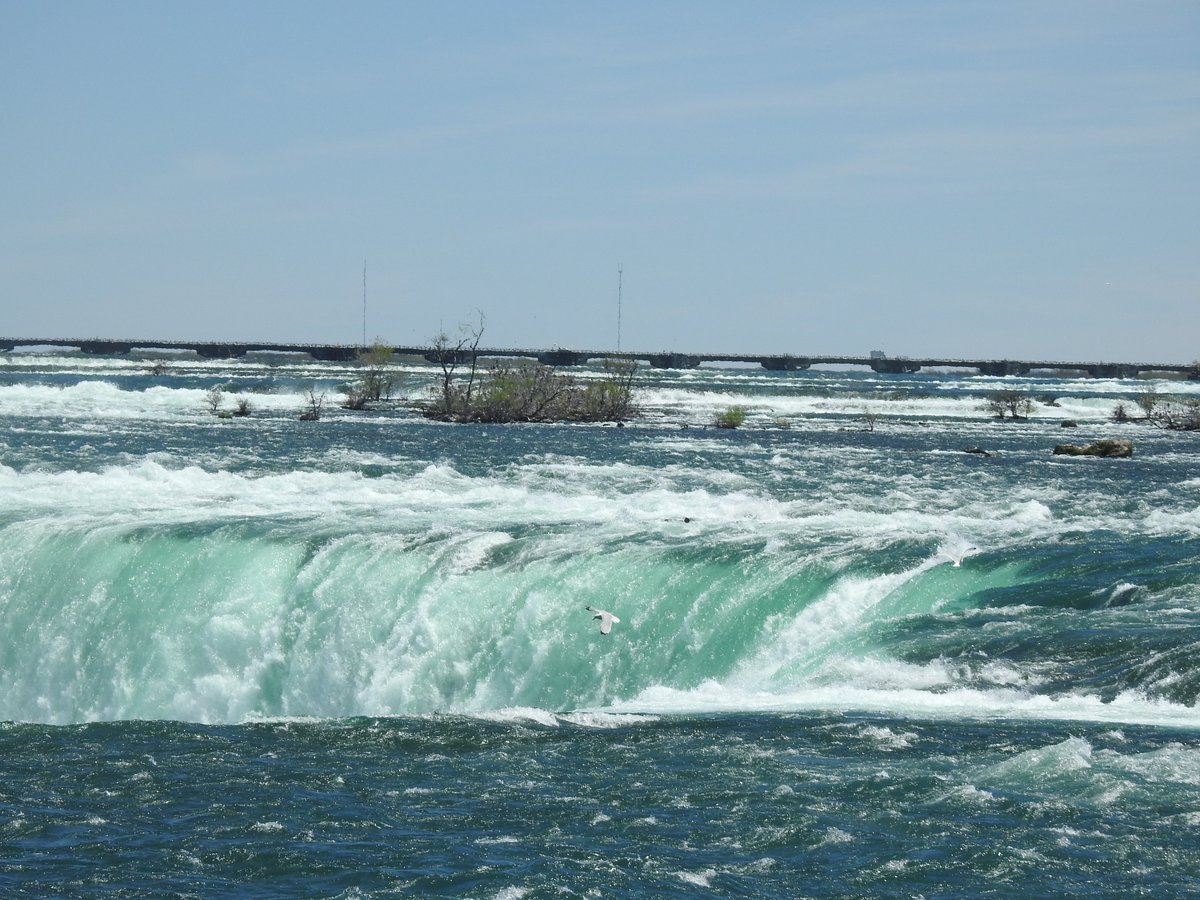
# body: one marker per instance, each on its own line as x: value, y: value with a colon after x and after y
x: 364, y: 343
x: 620, y: 275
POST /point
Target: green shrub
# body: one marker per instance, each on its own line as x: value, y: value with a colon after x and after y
x: 523, y: 392
x: 379, y: 377
x: 732, y: 417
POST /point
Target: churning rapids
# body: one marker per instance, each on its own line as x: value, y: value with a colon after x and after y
x: 205, y: 621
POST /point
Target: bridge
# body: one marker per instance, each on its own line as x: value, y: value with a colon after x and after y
x: 887, y: 365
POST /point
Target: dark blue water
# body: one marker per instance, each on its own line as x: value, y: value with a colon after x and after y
x: 828, y: 805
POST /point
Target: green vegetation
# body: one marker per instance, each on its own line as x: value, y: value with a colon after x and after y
x: 531, y: 392
x: 379, y: 377
x: 216, y: 397
x: 732, y: 417
x: 521, y: 391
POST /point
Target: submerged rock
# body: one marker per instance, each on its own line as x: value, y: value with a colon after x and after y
x: 1109, y: 448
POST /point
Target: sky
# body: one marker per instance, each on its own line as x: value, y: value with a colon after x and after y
x: 1016, y: 179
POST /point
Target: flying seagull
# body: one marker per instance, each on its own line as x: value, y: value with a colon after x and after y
x: 606, y: 618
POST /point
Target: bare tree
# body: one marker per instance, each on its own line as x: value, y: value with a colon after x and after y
x: 1009, y: 402
x: 1177, y: 415
x: 1148, y: 401
x: 1171, y: 413
x: 449, y: 356
x: 314, y: 402
x: 214, y: 398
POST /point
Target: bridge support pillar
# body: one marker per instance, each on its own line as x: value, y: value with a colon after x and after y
x: 1001, y: 367
x: 561, y: 358
x: 674, y: 361
x: 784, y: 363
x: 105, y: 348
x: 1112, y: 370
x: 887, y: 366
x: 220, y: 351
x: 334, y: 354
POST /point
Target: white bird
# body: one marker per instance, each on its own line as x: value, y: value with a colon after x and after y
x: 606, y: 618
x: 958, y: 557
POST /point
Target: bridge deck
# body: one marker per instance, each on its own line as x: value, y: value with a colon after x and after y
x: 659, y: 359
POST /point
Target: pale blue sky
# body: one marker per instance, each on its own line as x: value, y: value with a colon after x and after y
x: 996, y: 179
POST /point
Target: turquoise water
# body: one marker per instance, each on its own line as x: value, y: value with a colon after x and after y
x: 265, y: 657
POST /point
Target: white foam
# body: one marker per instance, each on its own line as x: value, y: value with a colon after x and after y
x: 1069, y: 755
x: 998, y: 703
x: 702, y: 878
x: 806, y: 639
x: 520, y: 714
x: 606, y: 720
x: 1173, y: 764
x: 887, y: 738
x: 103, y: 401
x: 834, y: 836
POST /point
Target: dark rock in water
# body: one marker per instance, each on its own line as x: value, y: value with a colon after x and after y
x: 1108, y: 448
x: 1067, y: 423
x: 977, y: 450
